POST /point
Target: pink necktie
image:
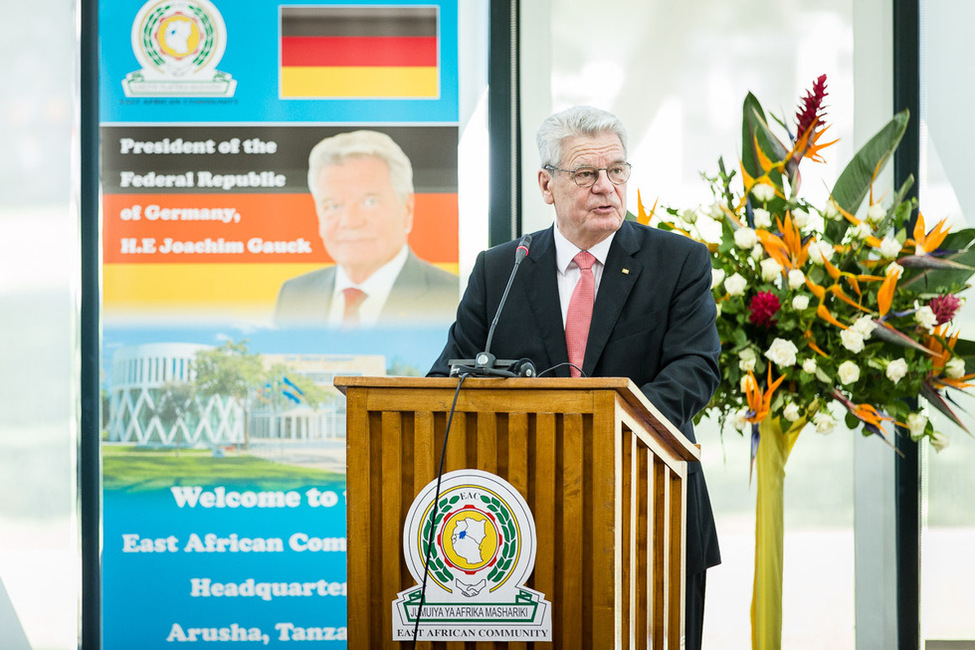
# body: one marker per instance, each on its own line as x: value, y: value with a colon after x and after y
x: 353, y: 298
x: 580, y: 312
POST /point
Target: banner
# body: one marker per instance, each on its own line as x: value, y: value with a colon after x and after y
x: 279, y: 207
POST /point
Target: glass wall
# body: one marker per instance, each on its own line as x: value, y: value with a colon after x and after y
x: 946, y: 191
x: 39, y: 261
x: 676, y: 74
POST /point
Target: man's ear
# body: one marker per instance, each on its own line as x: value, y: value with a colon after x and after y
x: 545, y: 182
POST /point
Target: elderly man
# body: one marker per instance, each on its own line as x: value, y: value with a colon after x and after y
x: 601, y: 296
x: 362, y: 183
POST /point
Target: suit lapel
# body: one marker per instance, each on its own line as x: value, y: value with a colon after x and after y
x: 543, y: 297
x: 405, y: 290
x: 323, y: 297
x: 619, y: 277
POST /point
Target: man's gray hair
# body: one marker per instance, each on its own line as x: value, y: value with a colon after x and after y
x: 338, y: 148
x: 576, y: 121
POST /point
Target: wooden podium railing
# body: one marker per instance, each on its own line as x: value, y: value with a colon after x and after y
x: 601, y: 469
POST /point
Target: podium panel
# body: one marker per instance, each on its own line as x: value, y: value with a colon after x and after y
x: 600, y: 468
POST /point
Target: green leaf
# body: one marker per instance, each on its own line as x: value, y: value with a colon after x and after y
x: 936, y: 278
x: 854, y: 183
x: 754, y: 128
x: 933, y: 396
x: 959, y: 240
x: 890, y: 334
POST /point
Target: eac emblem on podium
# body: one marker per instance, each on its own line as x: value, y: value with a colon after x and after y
x: 479, y: 546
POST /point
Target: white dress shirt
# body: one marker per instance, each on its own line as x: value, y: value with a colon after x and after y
x: 376, y: 287
x: 569, y: 272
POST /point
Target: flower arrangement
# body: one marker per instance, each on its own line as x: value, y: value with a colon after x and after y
x: 846, y: 306
x: 849, y: 303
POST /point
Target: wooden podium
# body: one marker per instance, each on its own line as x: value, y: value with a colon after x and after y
x: 601, y: 469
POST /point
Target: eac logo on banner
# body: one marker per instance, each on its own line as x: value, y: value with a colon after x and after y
x: 179, y: 44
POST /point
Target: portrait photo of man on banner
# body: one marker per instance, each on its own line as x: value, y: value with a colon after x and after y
x: 362, y: 184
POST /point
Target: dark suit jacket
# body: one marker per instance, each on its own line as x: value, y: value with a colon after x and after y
x: 653, y: 321
x: 422, y: 293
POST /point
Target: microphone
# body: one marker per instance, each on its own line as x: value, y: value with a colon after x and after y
x: 486, y: 363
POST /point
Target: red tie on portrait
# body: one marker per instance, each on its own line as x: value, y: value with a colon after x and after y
x: 580, y: 312
x: 353, y: 299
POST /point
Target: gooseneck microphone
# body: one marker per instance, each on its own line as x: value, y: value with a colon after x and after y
x: 485, y: 363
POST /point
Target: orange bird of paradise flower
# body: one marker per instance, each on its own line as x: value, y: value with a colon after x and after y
x: 925, y: 243
x: 943, y: 349
x: 788, y: 250
x: 760, y: 402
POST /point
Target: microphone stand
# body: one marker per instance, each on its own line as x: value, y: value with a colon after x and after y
x: 486, y: 364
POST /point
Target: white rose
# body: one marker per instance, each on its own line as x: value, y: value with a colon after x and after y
x: 762, y: 218
x: 925, y: 317
x: 896, y: 369
x: 893, y: 268
x: 876, y: 213
x: 763, y: 192
x: 861, y: 231
x: 715, y: 211
x: 809, y: 365
x: 735, y: 285
x: 939, y: 441
x: 746, y: 359
x: 889, y: 247
x: 791, y: 412
x: 916, y: 423
x: 820, y: 251
x: 831, y: 212
x: 800, y: 218
x: 852, y: 341
x: 717, y: 277
x: 758, y: 252
x: 864, y: 326
x: 689, y: 216
x: 800, y: 303
x: 745, y: 238
x: 824, y: 423
x: 848, y: 372
x: 770, y: 270
x: 739, y: 420
x: 796, y: 278
x: 782, y: 353
x: 955, y: 368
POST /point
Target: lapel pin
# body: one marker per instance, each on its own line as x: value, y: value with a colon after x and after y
x: 626, y: 271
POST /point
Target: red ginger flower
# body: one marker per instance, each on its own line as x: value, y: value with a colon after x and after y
x: 944, y: 307
x: 763, y: 308
x: 811, y: 109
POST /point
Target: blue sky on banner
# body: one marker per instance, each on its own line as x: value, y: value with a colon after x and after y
x: 252, y: 59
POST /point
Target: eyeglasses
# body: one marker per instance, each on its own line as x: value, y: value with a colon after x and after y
x: 617, y: 173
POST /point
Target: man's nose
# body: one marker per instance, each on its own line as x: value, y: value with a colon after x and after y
x: 352, y: 216
x: 602, y: 184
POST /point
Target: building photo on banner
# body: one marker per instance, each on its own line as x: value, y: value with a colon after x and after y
x: 279, y: 194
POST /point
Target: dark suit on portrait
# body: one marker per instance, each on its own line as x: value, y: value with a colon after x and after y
x: 653, y: 321
x: 422, y: 293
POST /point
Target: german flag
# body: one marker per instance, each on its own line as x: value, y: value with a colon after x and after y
x: 360, y: 52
